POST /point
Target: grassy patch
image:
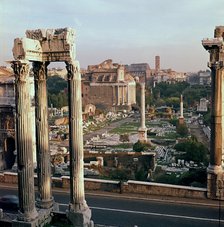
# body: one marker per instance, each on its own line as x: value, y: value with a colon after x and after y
x: 128, y: 127
x: 123, y: 145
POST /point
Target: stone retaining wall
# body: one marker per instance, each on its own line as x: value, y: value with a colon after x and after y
x: 131, y: 187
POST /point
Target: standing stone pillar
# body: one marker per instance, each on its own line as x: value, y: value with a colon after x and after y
x: 127, y: 95
x: 181, y: 118
x: 45, y: 199
x: 118, y: 96
x: 79, y: 212
x: 142, y: 131
x: 215, y: 167
x: 215, y: 174
x: 113, y: 96
x: 27, y: 210
x: 123, y: 95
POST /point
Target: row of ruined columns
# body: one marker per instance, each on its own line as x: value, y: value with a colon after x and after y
x: 119, y: 94
x: 27, y: 208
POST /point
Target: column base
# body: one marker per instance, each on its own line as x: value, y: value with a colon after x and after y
x: 18, y: 223
x: 28, y: 217
x: 142, y: 135
x: 80, y: 218
x: 45, y: 204
x: 215, y: 182
x: 44, y: 217
x: 181, y: 120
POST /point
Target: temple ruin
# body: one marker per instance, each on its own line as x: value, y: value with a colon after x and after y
x: 108, y: 86
x: 40, y: 47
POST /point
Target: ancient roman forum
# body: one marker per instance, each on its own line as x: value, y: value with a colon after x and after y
x: 40, y: 47
x: 142, y: 131
x: 215, y: 176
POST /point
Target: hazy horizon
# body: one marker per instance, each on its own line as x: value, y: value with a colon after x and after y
x: 127, y: 31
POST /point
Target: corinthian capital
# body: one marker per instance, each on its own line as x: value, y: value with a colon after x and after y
x: 73, y: 69
x: 216, y: 65
x: 40, y: 70
x: 21, y: 70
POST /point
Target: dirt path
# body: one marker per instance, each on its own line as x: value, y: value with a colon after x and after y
x: 196, y: 130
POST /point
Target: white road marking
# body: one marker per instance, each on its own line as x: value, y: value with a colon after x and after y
x: 158, y: 214
x: 154, y: 214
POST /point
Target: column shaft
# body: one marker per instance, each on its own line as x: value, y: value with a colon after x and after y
x: 24, y: 143
x: 76, y: 137
x: 45, y: 199
x: 142, y: 105
x: 216, y: 117
x: 118, y: 95
x: 127, y: 95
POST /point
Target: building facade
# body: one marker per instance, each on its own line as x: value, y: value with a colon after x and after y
x: 141, y: 71
x: 108, y: 86
x: 7, y: 119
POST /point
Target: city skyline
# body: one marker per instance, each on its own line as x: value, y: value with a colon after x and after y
x: 125, y: 31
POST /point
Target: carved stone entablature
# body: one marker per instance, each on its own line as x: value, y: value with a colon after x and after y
x: 212, y: 43
x: 46, y: 45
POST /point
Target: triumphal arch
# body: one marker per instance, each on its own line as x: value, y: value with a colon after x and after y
x: 40, y: 47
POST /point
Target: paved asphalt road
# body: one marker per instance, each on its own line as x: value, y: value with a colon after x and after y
x: 124, y: 212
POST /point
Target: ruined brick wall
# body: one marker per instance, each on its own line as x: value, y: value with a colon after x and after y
x: 101, y: 96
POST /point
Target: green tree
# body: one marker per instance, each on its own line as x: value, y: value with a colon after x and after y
x: 139, y: 147
x: 193, y: 151
x: 182, y: 129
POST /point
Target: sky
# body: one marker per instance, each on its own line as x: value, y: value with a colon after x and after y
x: 127, y: 31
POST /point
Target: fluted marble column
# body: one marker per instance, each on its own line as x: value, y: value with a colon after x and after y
x: 123, y: 96
x: 44, y: 199
x: 118, y: 96
x: 216, y: 117
x: 113, y: 96
x: 27, y: 210
x: 181, y: 118
x: 79, y: 212
x: 142, y: 131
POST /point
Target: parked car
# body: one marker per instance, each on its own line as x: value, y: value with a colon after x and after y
x: 9, y: 202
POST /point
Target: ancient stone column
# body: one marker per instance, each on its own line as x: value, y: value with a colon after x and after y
x: 118, y: 96
x: 79, y: 212
x: 216, y: 117
x: 142, y: 131
x: 215, y: 168
x: 123, y: 96
x: 27, y: 210
x: 181, y: 118
x: 113, y: 96
x: 44, y: 199
x: 215, y: 177
x: 127, y: 95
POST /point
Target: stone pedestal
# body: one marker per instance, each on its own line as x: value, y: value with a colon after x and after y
x: 181, y: 120
x: 27, y: 210
x: 79, y: 213
x: 45, y: 199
